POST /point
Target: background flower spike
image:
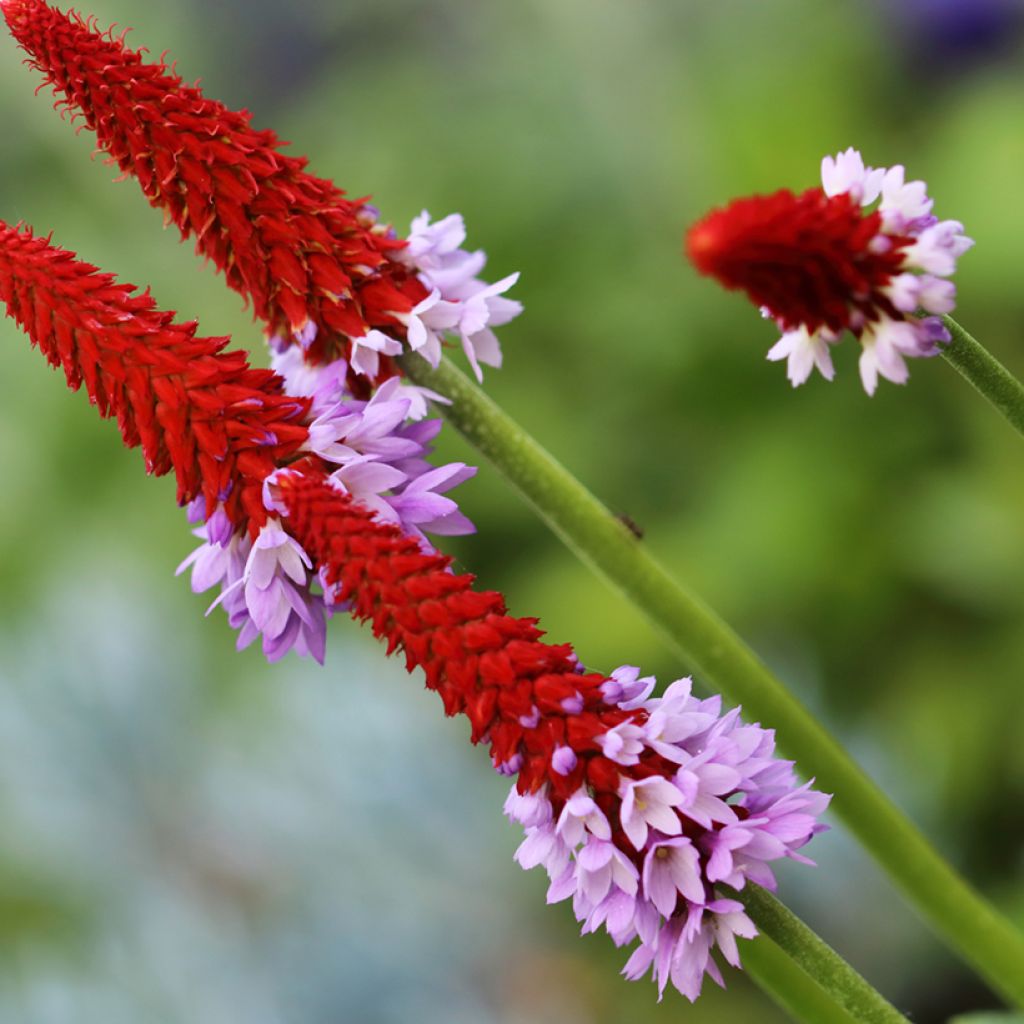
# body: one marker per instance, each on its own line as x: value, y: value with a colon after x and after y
x: 821, y: 263
x: 192, y: 407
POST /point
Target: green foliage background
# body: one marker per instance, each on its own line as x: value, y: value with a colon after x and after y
x: 188, y: 834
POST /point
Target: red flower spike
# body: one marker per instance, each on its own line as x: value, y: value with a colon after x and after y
x: 286, y: 240
x: 192, y: 407
x: 808, y: 259
x: 483, y: 663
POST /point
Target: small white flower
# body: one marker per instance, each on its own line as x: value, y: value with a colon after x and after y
x: 675, y: 717
x: 418, y: 397
x: 884, y: 347
x: 648, y: 803
x: 626, y: 688
x: 623, y: 744
x: 367, y: 350
x: 459, y: 302
x: 936, y: 294
x: 366, y: 480
x: 845, y: 172
x: 726, y: 926
x: 703, y: 783
x: 910, y: 292
x: 904, y: 203
x: 429, y: 244
x: 426, y: 324
x: 599, y: 866
x: 938, y: 248
x: 543, y: 846
x: 529, y: 809
x: 672, y: 867
x: 802, y: 352
x: 579, y: 816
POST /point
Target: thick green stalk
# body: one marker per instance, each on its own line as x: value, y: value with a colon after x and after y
x: 791, y: 988
x: 778, y: 923
x: 706, y: 643
x: 993, y: 380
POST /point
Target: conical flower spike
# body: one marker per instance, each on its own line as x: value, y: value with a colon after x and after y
x: 821, y: 263
x: 192, y: 407
x: 288, y: 241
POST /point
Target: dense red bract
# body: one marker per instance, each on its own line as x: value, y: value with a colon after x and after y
x: 193, y: 408
x: 288, y: 241
x: 810, y: 259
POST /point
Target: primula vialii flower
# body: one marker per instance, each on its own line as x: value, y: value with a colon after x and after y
x: 311, y: 489
x: 863, y: 253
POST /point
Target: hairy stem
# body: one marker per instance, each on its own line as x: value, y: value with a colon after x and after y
x: 817, y: 958
x: 985, y: 373
x: 968, y: 923
x: 791, y: 987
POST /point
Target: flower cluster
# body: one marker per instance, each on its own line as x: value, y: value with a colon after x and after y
x: 863, y: 253
x: 266, y: 584
x: 376, y: 451
x: 312, y: 493
x: 376, y: 448
x: 645, y: 862
x: 459, y: 302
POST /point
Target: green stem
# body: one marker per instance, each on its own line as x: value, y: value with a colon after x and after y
x: 969, y: 924
x: 993, y: 380
x: 790, y: 987
x: 778, y: 923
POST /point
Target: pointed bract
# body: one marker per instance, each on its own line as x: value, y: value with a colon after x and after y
x: 192, y: 407
x: 808, y: 258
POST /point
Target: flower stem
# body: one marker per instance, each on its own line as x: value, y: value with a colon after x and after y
x: 975, y: 363
x: 706, y: 643
x: 843, y: 984
x: 792, y: 988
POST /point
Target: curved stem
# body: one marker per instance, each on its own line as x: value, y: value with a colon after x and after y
x: 706, y: 643
x: 791, y: 988
x: 988, y: 376
x: 817, y: 958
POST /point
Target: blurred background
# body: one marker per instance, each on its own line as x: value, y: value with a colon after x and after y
x: 190, y: 835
